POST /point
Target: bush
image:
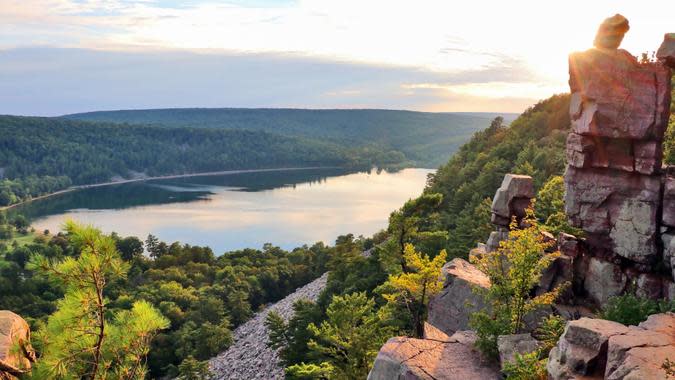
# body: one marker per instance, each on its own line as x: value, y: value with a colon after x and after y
x: 514, y: 270
x: 526, y: 367
x: 550, y: 330
x: 629, y: 309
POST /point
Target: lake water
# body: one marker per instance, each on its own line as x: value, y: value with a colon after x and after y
x: 246, y: 210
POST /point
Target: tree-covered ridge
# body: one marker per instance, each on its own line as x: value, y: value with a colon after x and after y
x: 42, y: 155
x: 426, y: 139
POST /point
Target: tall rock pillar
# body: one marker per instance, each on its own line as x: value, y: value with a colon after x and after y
x: 614, y: 184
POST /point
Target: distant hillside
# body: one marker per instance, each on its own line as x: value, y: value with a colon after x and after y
x: 427, y: 139
x: 42, y: 155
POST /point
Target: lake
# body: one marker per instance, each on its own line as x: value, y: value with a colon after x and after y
x: 235, y: 211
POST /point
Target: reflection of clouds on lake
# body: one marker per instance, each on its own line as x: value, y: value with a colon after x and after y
x: 287, y: 216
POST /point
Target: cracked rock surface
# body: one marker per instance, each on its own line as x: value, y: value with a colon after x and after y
x: 429, y: 359
x: 249, y: 357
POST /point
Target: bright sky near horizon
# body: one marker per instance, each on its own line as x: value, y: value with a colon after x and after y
x: 62, y: 56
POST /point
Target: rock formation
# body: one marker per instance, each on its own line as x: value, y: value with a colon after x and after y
x: 600, y: 349
x: 453, y: 357
x: 616, y: 189
x: 450, y: 309
x: 16, y: 353
x: 250, y: 357
x: 511, y: 200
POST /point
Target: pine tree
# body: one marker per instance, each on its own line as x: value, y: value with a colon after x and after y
x: 414, y: 288
x: 84, y: 338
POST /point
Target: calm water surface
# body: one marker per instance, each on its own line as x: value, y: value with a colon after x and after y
x: 235, y: 211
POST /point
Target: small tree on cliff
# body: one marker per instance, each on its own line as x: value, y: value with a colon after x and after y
x: 84, y: 339
x: 514, y: 270
x: 413, y: 289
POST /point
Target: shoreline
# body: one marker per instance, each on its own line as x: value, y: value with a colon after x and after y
x: 171, y: 176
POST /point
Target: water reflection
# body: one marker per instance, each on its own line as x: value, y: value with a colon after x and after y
x: 237, y: 211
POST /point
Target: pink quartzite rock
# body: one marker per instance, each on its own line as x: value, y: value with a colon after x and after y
x: 603, y: 280
x: 450, y: 309
x: 611, y: 32
x: 403, y: 358
x: 666, y: 52
x: 16, y: 353
x: 600, y: 349
x: 617, y: 210
x: 513, y: 196
x: 615, y: 96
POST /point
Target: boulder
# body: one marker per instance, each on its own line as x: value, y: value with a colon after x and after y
x: 611, y: 32
x: 16, y: 353
x: 450, y: 309
x: 513, y: 196
x: 569, y: 245
x: 649, y: 285
x: 603, y: 280
x: 582, y: 349
x: 666, y: 52
x: 411, y: 359
x: 510, y: 345
x: 600, y: 349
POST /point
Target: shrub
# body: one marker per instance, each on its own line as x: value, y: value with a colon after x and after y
x: 631, y: 310
x: 514, y: 270
x: 549, y: 331
x: 526, y: 367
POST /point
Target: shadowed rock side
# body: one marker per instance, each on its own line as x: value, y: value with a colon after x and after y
x: 249, y: 357
x: 16, y: 353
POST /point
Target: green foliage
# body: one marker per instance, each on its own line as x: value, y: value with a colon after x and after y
x: 629, y: 309
x: 321, y: 371
x: 549, y: 331
x: 669, y: 140
x: 514, y: 270
x: 551, y: 207
x: 414, y: 288
x: 526, y: 367
x: 427, y: 139
x: 350, y: 337
x: 84, y: 338
x: 291, y: 338
x: 193, y: 369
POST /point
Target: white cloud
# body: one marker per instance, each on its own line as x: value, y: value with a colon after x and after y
x: 448, y: 37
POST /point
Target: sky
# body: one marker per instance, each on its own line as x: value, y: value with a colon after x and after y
x: 65, y: 56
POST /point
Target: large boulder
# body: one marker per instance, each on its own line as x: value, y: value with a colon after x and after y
x: 512, y: 198
x: 404, y: 358
x: 666, y: 52
x: 582, y: 349
x: 600, y: 349
x: 450, y: 309
x: 16, y: 353
x: 611, y: 32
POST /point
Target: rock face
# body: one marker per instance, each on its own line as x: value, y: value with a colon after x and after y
x: 403, y: 358
x: 249, y: 357
x: 16, y: 353
x: 449, y: 310
x: 616, y: 190
x: 600, y: 349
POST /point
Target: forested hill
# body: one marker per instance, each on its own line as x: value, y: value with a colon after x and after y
x: 427, y: 139
x: 41, y: 155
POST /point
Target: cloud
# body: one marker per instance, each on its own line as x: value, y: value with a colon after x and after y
x: 49, y: 81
